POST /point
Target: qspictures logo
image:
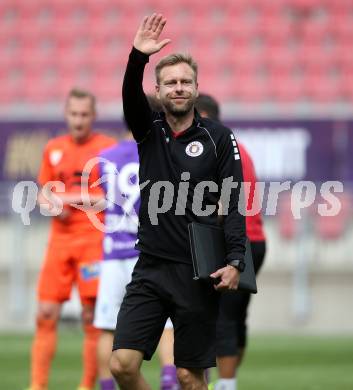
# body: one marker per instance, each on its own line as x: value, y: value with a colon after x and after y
x: 164, y: 195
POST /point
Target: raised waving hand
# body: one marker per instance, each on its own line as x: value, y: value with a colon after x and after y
x: 146, y: 38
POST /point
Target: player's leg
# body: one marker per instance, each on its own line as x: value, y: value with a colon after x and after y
x: 54, y: 287
x: 90, y: 342
x: 169, y: 379
x: 191, y: 378
x: 105, y: 344
x: 44, y: 343
x: 125, y: 365
x: 232, y: 329
x: 140, y: 323
x: 227, y: 339
x: 114, y: 276
x: 258, y: 249
x: 194, y: 320
x: 87, y: 276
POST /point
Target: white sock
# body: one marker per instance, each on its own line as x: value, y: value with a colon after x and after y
x: 226, y: 384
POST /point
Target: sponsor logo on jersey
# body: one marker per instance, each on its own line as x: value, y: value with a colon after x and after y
x: 55, y: 156
x: 89, y: 271
x: 194, y: 149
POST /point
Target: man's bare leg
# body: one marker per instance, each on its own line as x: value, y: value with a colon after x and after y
x: 125, y: 365
x: 192, y: 378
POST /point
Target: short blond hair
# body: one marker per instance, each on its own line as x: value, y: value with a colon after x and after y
x: 82, y: 94
x: 173, y: 59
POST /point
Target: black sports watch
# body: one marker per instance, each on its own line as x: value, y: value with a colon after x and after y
x: 238, y: 264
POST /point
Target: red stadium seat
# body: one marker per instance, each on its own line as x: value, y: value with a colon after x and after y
x: 316, y: 32
x: 10, y: 15
x: 287, y: 89
x: 41, y: 93
x: 269, y: 42
x: 107, y: 92
x: 323, y: 88
x: 344, y: 55
x: 347, y: 84
x: 281, y: 58
x: 11, y: 86
x: 10, y: 48
x: 343, y: 29
x: 306, y: 4
x: 272, y: 27
x: 245, y: 58
x: 250, y: 89
x: 38, y: 13
x: 345, y: 6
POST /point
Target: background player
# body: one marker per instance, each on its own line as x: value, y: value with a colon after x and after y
x: 231, y: 326
x: 119, y: 171
x: 75, y: 245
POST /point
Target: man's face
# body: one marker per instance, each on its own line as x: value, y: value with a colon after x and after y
x: 177, y: 89
x: 80, y: 114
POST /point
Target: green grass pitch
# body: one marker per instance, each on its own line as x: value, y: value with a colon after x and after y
x: 272, y: 363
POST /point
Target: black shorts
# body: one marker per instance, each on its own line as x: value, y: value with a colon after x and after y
x: 160, y: 289
x: 233, y: 310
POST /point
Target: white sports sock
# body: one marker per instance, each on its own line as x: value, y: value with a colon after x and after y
x: 226, y: 384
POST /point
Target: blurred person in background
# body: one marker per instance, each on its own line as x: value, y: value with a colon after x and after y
x: 75, y: 245
x: 118, y: 169
x: 231, y: 325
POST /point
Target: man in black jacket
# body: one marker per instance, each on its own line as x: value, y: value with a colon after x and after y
x: 187, y: 164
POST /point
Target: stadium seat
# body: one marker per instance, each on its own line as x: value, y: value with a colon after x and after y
x: 11, y: 85
x: 306, y: 4
x: 345, y: 6
x: 323, y: 88
x: 347, y: 84
x: 316, y: 55
x: 9, y: 17
x: 316, y: 33
x: 10, y: 48
x: 285, y: 88
x: 250, y: 89
x: 281, y: 58
x: 258, y: 37
x: 274, y: 28
x: 247, y: 58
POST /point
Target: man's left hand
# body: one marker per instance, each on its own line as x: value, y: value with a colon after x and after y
x: 229, y: 277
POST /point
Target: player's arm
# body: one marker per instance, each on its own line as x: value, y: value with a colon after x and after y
x: 230, y: 168
x: 137, y: 112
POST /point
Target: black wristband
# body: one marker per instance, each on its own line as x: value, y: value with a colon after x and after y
x: 238, y: 264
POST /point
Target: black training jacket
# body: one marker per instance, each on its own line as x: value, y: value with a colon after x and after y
x: 207, y: 150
